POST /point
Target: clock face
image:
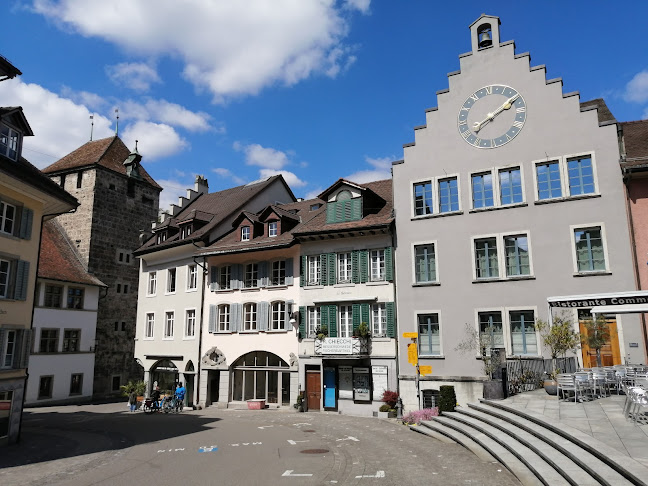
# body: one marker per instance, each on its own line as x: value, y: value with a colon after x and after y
x: 492, y: 116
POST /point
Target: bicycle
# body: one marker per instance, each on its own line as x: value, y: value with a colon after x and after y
x: 168, y: 404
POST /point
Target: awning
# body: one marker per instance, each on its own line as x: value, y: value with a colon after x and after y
x: 620, y: 309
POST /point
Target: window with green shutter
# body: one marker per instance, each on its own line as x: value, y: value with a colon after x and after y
x: 391, y: 319
x: 344, y: 210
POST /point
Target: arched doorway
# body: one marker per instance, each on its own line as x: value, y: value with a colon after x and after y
x: 189, y: 375
x: 165, y: 373
x: 261, y: 375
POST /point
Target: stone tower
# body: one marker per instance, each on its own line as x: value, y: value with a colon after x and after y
x: 118, y: 200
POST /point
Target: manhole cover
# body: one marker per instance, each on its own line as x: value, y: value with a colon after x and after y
x: 309, y: 430
x: 314, y: 451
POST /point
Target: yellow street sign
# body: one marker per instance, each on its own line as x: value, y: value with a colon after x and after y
x: 412, y: 335
x: 412, y: 354
x: 425, y: 370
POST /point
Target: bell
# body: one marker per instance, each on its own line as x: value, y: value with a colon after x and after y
x: 485, y: 40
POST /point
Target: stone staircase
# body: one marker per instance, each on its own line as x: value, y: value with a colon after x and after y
x: 536, y: 450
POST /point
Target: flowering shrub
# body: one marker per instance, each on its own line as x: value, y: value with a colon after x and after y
x: 417, y: 416
x: 390, y: 398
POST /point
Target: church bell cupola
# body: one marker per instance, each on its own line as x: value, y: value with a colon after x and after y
x: 484, y: 33
x: 132, y: 164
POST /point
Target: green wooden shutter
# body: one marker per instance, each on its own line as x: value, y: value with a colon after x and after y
x: 302, y: 322
x: 355, y: 266
x: 356, y: 316
x: 339, y: 211
x: 212, y: 318
x: 331, y: 268
x: 324, y: 317
x: 365, y: 313
x: 25, y: 346
x: 389, y: 264
x: 332, y: 320
x: 346, y: 211
x: 331, y: 209
x: 323, y: 280
x: 355, y: 209
x: 302, y: 271
x: 22, y: 280
x: 364, y: 266
x: 26, y: 221
x: 391, y: 324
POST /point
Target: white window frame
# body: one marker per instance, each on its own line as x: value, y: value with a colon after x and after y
x: 378, y: 319
x: 313, y: 265
x: 4, y: 347
x: 344, y: 267
x: 436, y: 261
x: 572, y: 229
x: 149, y: 326
x: 192, y: 277
x: 497, y: 190
x: 415, y: 316
x: 245, y: 233
x: 3, y: 218
x: 505, y: 329
x: 508, y: 338
x: 12, y: 135
x: 169, y: 324
x: 273, y: 227
x: 564, y: 177
x: 345, y: 326
x: 313, y: 319
x: 225, y: 311
x: 253, y: 273
x: 436, y: 195
x: 278, y: 316
x: 501, y: 256
x: 225, y: 271
x: 151, y: 287
x: 382, y: 263
x: 172, y: 278
x: 498, y: 197
x: 281, y: 264
x: 251, y: 310
x: 6, y: 280
x: 189, y: 325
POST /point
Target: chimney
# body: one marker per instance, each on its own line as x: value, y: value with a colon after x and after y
x: 201, y: 186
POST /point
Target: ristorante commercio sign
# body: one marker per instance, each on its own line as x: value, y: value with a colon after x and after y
x: 597, y: 302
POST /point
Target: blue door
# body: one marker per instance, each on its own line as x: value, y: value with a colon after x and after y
x: 329, y: 388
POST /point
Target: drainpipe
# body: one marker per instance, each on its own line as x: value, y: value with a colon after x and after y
x: 200, y: 325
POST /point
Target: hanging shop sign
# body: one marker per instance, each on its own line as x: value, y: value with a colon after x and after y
x: 337, y: 346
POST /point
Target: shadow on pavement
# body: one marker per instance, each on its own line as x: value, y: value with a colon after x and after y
x: 48, y: 436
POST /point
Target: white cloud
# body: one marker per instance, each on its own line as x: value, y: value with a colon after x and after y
x: 289, y: 177
x: 637, y: 88
x: 268, y: 158
x: 227, y: 174
x: 313, y: 193
x: 134, y: 75
x: 91, y: 100
x: 155, y: 140
x: 229, y: 48
x: 176, y: 115
x: 59, y: 124
x: 381, y: 170
x: 172, y: 190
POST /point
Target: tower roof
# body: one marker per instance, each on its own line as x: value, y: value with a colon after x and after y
x: 108, y: 152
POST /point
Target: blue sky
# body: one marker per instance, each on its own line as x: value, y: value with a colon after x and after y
x: 316, y: 89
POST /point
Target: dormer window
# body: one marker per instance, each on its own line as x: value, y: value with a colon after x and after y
x: 161, y: 237
x: 315, y: 207
x: 9, y: 141
x: 272, y: 229
x: 344, y: 207
x: 245, y: 233
x: 186, y: 231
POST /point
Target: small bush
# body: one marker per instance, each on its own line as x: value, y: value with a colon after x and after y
x: 417, y: 416
x: 390, y: 398
x: 447, y: 398
x: 384, y: 408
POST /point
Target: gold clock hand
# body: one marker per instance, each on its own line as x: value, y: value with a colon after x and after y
x: 491, y: 116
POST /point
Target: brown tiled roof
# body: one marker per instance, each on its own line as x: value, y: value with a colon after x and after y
x: 108, y: 152
x: 230, y: 242
x: 381, y: 218
x: 220, y: 205
x: 635, y: 136
x: 18, y: 118
x: 7, y: 69
x: 59, y: 260
x: 604, y: 113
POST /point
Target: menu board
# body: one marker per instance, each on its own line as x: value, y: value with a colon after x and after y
x: 361, y: 384
x: 379, y: 374
x: 345, y: 376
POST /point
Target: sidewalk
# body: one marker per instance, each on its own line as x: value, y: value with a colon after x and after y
x: 601, y: 418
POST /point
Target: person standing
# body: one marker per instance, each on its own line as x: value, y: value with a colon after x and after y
x: 132, y: 400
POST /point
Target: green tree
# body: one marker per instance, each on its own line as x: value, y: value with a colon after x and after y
x: 598, y: 335
x: 480, y: 342
x: 138, y: 386
x: 560, y: 337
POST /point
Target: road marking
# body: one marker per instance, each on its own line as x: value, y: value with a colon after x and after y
x: 247, y: 444
x: 294, y: 442
x: 171, y: 450
x: 379, y: 474
x: 300, y: 424
x: 348, y: 437
x: 265, y: 427
x: 212, y: 448
x: 289, y: 473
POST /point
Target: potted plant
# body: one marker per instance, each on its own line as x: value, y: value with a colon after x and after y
x: 597, y: 335
x: 321, y: 332
x: 560, y: 338
x: 139, y: 387
x: 390, y: 398
x: 484, y: 343
x: 362, y: 331
x: 299, y: 405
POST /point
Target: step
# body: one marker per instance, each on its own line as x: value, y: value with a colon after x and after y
x: 448, y: 435
x: 632, y: 470
x: 529, y: 457
x: 596, y: 468
x: 525, y: 472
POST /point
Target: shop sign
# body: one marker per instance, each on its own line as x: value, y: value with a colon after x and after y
x: 379, y: 370
x: 600, y: 302
x: 337, y: 346
x: 361, y: 384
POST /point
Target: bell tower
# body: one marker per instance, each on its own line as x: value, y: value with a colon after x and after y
x: 484, y: 33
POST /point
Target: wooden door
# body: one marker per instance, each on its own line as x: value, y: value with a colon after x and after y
x: 610, y: 353
x: 313, y: 390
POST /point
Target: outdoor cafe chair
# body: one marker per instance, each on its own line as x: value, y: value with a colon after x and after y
x: 599, y: 381
x: 583, y: 383
x: 636, y: 400
x: 567, y: 383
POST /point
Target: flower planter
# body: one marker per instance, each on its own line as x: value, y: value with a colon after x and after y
x: 493, y: 390
x: 257, y: 404
x: 383, y: 414
x: 551, y: 387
